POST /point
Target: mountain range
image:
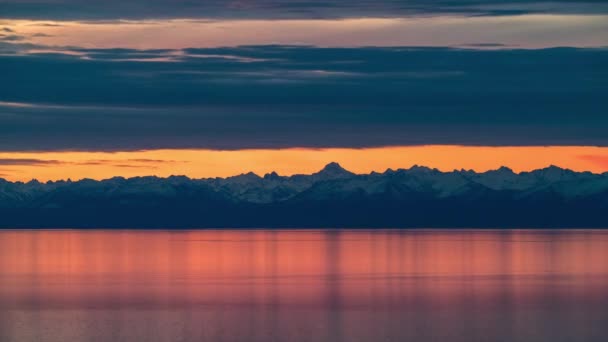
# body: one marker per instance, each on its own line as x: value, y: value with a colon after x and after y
x: 333, y: 197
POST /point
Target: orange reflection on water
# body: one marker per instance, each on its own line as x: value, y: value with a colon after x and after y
x: 306, y: 285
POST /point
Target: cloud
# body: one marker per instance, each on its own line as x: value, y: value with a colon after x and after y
x: 297, y: 96
x: 45, y: 24
x: 274, y: 9
x: 28, y: 162
x: 533, y: 31
x: 154, y: 161
x: 11, y: 38
x: 125, y: 163
x: 132, y: 166
x: 135, y: 163
x: 41, y: 35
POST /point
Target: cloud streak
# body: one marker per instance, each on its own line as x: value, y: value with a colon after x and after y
x: 281, y: 9
x: 11, y: 38
x: 28, y: 162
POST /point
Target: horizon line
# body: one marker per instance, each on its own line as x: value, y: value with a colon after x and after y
x: 276, y: 174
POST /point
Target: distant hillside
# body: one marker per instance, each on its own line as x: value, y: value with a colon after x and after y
x: 333, y: 197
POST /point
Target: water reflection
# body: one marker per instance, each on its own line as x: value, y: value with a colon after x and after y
x: 329, y: 285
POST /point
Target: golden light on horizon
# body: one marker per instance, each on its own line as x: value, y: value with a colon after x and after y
x: 44, y: 166
x: 176, y: 33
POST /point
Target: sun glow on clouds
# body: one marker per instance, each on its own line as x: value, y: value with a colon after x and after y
x: 211, y: 163
x: 526, y: 31
x: 475, y: 32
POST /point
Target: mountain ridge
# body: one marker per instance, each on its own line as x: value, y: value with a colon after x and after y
x: 272, y: 173
x: 333, y: 197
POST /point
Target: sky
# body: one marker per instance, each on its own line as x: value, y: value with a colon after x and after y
x: 94, y: 89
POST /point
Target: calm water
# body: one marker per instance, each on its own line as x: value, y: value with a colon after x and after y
x: 514, y: 285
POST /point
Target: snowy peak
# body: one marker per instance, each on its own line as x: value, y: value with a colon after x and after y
x: 504, y: 170
x: 417, y: 169
x: 272, y: 176
x: 335, y: 181
x: 243, y: 178
x: 333, y: 170
x: 554, y: 174
x: 400, y: 198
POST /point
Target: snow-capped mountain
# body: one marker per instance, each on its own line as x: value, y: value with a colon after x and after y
x: 418, y: 196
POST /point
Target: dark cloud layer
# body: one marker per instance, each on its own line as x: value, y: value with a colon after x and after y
x: 288, y: 96
x: 138, y: 9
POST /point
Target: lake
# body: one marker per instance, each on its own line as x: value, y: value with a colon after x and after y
x: 304, y: 285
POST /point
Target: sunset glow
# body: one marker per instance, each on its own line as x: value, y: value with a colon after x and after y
x: 317, y: 170
x: 211, y: 163
x: 582, y: 30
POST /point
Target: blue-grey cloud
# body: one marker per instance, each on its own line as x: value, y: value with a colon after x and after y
x: 11, y: 38
x: 27, y: 161
x: 134, y: 163
x: 41, y: 35
x: 288, y: 96
x: 120, y: 9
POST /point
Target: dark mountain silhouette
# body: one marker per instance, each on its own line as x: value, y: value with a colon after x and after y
x: 333, y: 197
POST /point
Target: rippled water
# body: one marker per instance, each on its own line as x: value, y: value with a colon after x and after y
x: 334, y: 285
